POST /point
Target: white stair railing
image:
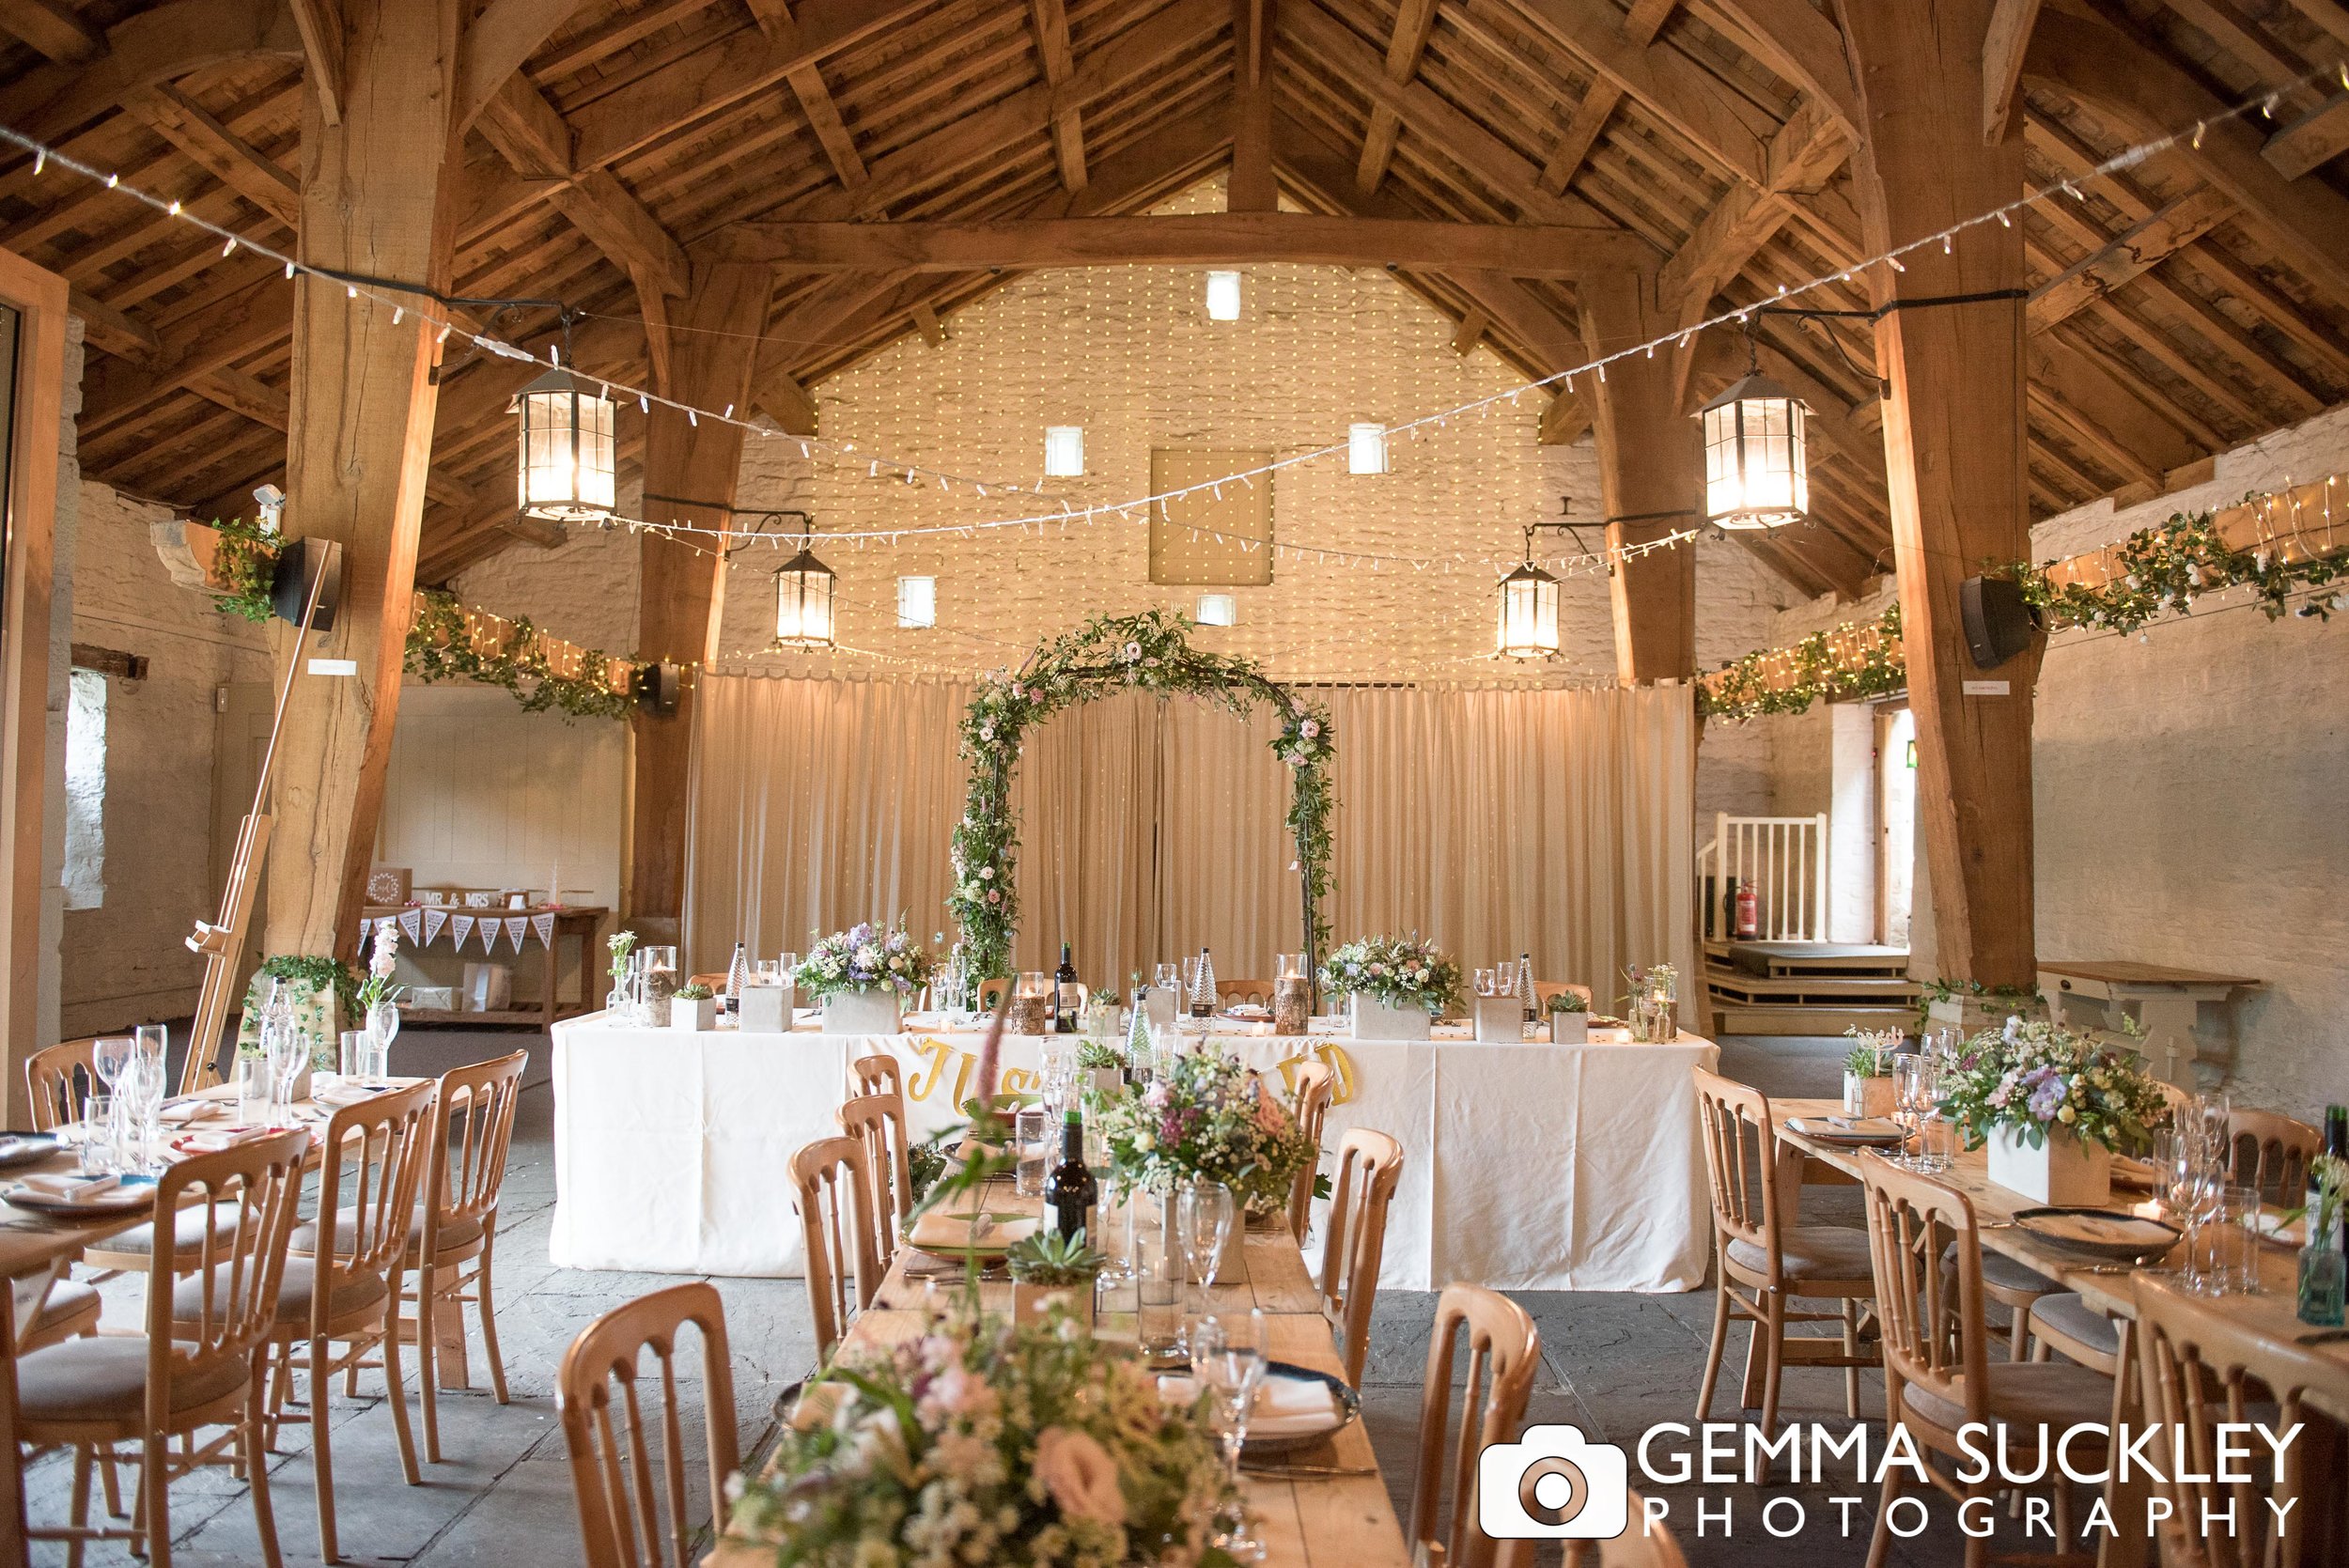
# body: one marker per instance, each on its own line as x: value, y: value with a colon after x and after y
x: 1786, y: 859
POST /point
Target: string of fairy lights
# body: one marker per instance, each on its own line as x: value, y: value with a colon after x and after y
x: 403, y: 299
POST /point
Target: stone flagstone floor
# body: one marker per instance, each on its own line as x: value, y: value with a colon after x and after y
x: 1612, y: 1365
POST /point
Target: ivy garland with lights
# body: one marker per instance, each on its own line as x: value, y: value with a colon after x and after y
x: 1149, y: 652
x: 246, y: 568
x: 441, y: 647
x: 1757, y: 684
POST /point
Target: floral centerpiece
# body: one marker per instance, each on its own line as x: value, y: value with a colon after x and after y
x: 1868, y: 1071
x: 2053, y: 1106
x: 865, y: 975
x: 983, y: 1443
x: 1405, y: 982
x: 1205, y: 1117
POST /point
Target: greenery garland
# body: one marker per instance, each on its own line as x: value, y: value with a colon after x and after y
x: 439, y: 648
x: 1149, y: 652
x: 1755, y: 684
x: 246, y: 568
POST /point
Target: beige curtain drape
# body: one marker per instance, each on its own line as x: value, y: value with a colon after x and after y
x: 1559, y: 823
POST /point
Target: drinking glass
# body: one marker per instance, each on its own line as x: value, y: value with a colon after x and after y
x: 97, y: 1136
x: 1157, y: 1284
x: 1204, y: 1216
x: 250, y: 1074
x: 137, y: 1101
x: 107, y: 1058
x: 153, y: 1041
x: 282, y: 1053
x: 1227, y: 1356
x: 1031, y: 1130
x: 1484, y: 982
x: 1167, y: 976
x: 2235, y: 1241
x: 1913, y: 1093
x: 1937, y: 1144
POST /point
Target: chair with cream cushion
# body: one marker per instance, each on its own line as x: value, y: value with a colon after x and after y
x: 1938, y: 1377
x: 2271, y: 1153
x: 1758, y: 1247
x: 2065, y: 1324
x: 1311, y: 1087
x: 1504, y: 1350
x: 1545, y: 989
x: 178, y: 1377
x: 369, y: 1178
x: 1370, y: 1167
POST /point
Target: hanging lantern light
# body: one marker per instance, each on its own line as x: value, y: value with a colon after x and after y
x: 1756, y: 473
x: 1529, y: 610
x: 566, y: 450
x: 803, y: 601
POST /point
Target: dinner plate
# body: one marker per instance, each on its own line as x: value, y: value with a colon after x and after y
x: 1346, y: 1409
x: 19, y: 1149
x: 1866, y: 1132
x: 987, y: 1250
x: 2113, y: 1235
x: 127, y: 1199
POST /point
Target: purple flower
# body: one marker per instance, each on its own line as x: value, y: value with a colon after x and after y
x: 2048, y: 1094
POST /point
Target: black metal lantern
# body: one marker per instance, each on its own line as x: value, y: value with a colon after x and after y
x: 1529, y: 610
x: 567, y: 471
x: 803, y: 617
x: 1756, y: 473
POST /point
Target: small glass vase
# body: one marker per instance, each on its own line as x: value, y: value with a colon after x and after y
x: 384, y: 1023
x: 2323, y: 1283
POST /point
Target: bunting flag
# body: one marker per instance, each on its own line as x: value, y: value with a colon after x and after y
x: 488, y: 936
x: 459, y: 928
x: 433, y: 921
x: 515, y: 927
x: 410, y: 920
x: 544, y: 925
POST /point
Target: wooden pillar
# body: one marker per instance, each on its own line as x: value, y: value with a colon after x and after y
x: 690, y: 470
x: 376, y: 198
x: 1953, y: 439
x: 1648, y: 470
x: 1252, y: 189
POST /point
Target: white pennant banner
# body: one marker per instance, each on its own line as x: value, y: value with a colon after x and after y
x: 490, y: 934
x: 544, y: 925
x: 459, y: 928
x: 409, y: 921
x: 433, y: 921
x: 515, y: 927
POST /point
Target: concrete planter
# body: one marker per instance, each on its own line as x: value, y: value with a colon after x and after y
x: 1029, y: 1303
x: 693, y: 1015
x: 1500, y: 1020
x: 1571, y: 1029
x: 1867, y: 1097
x: 766, y: 1009
x: 2062, y: 1171
x: 1376, y: 1020
x: 862, y: 1012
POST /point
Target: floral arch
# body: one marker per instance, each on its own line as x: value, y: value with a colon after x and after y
x: 1149, y: 652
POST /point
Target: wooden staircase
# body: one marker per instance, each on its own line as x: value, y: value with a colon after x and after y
x: 1801, y: 988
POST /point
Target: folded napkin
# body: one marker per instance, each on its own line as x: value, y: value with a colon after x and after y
x: 938, y: 1231
x: 179, y: 1114
x: 68, y: 1187
x: 1845, y: 1126
x: 1284, y: 1406
x: 212, y: 1140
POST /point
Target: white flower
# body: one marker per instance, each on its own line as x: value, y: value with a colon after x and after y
x: 1079, y: 1474
x: 1132, y: 652
x: 987, y: 732
x: 1310, y: 728
x: 986, y: 873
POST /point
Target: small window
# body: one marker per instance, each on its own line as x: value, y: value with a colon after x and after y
x: 86, y: 793
x: 917, y: 602
x: 1222, y: 296
x: 1366, y: 449
x: 1063, y: 451
x: 1217, y: 610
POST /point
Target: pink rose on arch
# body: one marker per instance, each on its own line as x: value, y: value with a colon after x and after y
x: 994, y: 896
x: 1309, y: 728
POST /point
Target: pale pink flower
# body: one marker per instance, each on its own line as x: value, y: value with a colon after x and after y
x: 1080, y: 1475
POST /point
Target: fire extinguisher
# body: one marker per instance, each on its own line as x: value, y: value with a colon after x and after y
x: 1748, y: 912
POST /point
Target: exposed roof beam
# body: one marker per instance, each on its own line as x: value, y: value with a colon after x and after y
x: 2008, y: 36
x: 2097, y: 64
x: 2127, y: 257
x: 778, y: 394
x: 114, y: 331
x: 1413, y: 21
x: 254, y: 318
x: 1050, y: 21
x: 527, y: 132
x: 823, y: 117
x: 1588, y: 121
x: 1177, y: 240
x: 495, y: 44
x: 2315, y: 139
x: 1800, y: 43
x: 159, y: 45
x: 320, y: 24
x: 1801, y: 157
x: 218, y: 150
x: 1471, y: 331
x: 52, y: 28
x: 925, y: 321
x: 1252, y: 188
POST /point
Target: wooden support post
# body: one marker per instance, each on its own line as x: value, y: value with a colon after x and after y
x: 1251, y: 188
x: 1648, y: 470
x: 378, y: 183
x: 690, y: 475
x: 1953, y: 442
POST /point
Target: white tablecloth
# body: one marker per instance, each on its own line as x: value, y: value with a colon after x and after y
x: 1533, y: 1167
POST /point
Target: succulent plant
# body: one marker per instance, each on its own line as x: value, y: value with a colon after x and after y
x: 1047, y: 1258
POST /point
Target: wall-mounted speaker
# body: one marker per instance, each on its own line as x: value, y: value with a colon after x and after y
x: 301, y: 563
x: 1999, y: 625
x: 657, y: 687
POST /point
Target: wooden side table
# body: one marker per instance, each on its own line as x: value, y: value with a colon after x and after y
x: 2165, y: 1001
x: 583, y: 924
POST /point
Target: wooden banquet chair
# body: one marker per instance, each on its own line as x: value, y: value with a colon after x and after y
x: 1311, y: 1086
x: 1938, y: 1377
x: 2272, y: 1153
x: 879, y: 1074
x: 371, y: 1173
x: 614, y: 1480
x: 1230, y: 991
x: 879, y: 1122
x: 1759, y: 1247
x: 59, y: 1080
x: 2203, y: 1365
x: 1545, y: 989
x: 1370, y: 1167
x: 1503, y: 1350
x: 179, y: 1376
x: 831, y: 1181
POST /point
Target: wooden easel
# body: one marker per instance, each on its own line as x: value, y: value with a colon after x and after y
x: 221, y: 942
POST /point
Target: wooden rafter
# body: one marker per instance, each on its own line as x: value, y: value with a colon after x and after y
x: 1413, y: 21
x: 220, y: 151
x: 1050, y: 19
x: 53, y: 28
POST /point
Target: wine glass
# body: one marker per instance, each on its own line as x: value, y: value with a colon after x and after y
x: 1914, y: 1091
x: 108, y: 1058
x: 1204, y: 1216
x: 153, y: 1041
x: 1227, y: 1356
x: 1166, y: 977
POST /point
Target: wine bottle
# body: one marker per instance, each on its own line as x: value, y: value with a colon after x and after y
x: 1069, y: 995
x: 1071, y: 1191
x: 1203, y: 987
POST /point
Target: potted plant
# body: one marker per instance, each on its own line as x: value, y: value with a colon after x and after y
x: 1102, y: 1062
x: 1048, y: 1269
x: 694, y: 1009
x: 1398, y: 986
x: 1207, y: 1118
x: 2053, y: 1106
x: 864, y: 976
x: 1569, y: 1018
x: 2324, y: 1274
x: 1868, y: 1071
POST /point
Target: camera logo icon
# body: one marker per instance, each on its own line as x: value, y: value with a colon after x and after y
x: 1553, y: 1485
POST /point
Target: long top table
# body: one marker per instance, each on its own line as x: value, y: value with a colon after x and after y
x: 1527, y: 1166
x: 1337, y: 1521
x: 2110, y: 1290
